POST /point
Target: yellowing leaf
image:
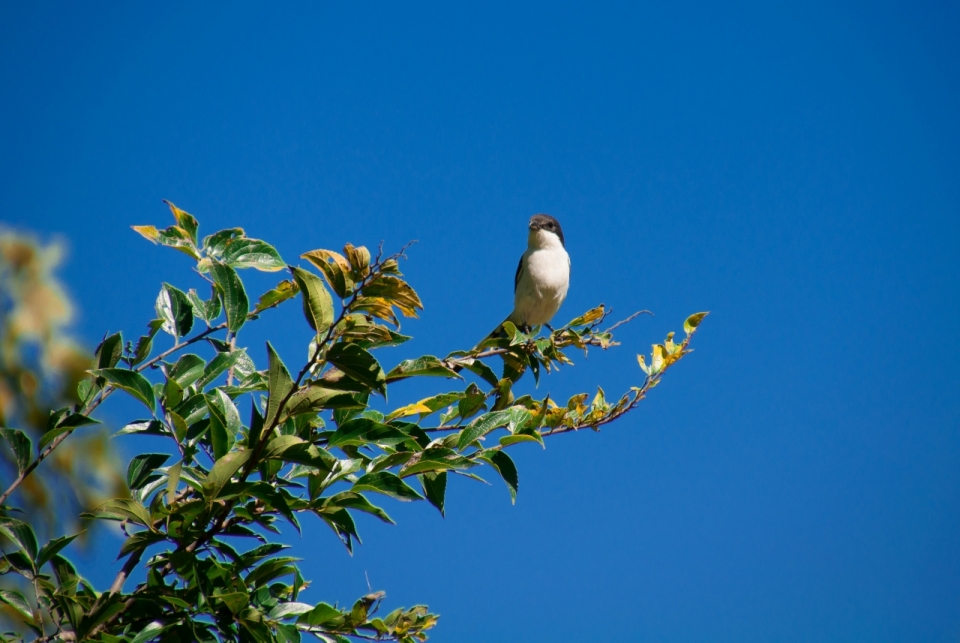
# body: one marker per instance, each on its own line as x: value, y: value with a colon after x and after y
x: 335, y: 268
x: 359, y: 259
x: 592, y: 315
x: 656, y: 362
x: 409, y: 409
x: 693, y: 321
x: 148, y: 232
x: 643, y: 364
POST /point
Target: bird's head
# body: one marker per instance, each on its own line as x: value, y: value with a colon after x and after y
x: 542, y: 226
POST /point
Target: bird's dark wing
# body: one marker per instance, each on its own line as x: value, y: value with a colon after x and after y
x: 516, y: 278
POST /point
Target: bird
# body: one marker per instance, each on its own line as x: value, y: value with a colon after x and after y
x: 543, y: 275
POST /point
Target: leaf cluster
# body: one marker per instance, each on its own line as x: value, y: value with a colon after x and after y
x: 252, y: 446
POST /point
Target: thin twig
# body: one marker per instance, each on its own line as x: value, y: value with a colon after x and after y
x: 629, y: 319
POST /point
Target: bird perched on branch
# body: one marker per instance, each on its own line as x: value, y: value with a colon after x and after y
x: 543, y: 275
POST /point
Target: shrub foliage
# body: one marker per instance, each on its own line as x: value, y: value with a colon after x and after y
x: 253, y: 445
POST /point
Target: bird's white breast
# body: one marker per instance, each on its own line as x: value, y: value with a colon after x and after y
x: 543, y: 282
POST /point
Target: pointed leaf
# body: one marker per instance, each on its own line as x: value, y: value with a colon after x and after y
x: 109, y: 351
x: 131, y: 382
x: 142, y: 466
x: 317, y: 303
x: 20, y: 444
x: 252, y: 253
x: 435, y: 489
x: 358, y: 364
x: 285, y: 290
x: 17, y: 602
x: 503, y: 463
x: 335, y: 269
x: 397, y: 292
x: 185, y: 221
x: 693, y: 321
x: 428, y: 365
x: 235, y: 301
x: 222, y: 471
x: 280, y: 385
x: 21, y: 534
x: 174, y: 308
x: 52, y: 548
x: 388, y: 484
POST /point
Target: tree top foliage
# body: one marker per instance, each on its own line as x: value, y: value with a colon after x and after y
x: 251, y: 445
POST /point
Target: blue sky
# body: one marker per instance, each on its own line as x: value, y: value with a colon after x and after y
x: 790, y: 167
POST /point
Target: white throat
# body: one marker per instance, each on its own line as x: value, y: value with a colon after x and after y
x: 543, y: 240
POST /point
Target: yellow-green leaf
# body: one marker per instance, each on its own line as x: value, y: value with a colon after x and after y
x: 693, y: 321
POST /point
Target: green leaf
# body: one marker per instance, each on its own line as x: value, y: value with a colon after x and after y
x: 64, y: 425
x: 435, y: 489
x: 252, y: 253
x: 388, y: 484
x: 235, y: 301
x: 507, y: 440
x: 279, y: 444
x: 428, y: 365
x: 206, y: 310
x: 235, y: 601
x: 123, y: 509
x: 216, y: 242
x: 18, y: 603
x: 142, y: 466
x: 140, y: 540
x: 52, y: 548
x: 146, y: 427
x: 436, y: 459
x: 286, y: 610
x: 109, y: 351
x: 131, y: 382
x: 315, y: 397
x: 285, y: 290
x: 187, y: 370
x: 280, y: 385
x: 693, y: 321
x: 317, y: 303
x: 223, y: 470
x: 21, y: 446
x: 21, y: 534
x: 151, y: 631
x: 85, y: 389
x: 357, y: 502
x: 358, y: 364
x: 225, y: 422
x: 362, y: 430
x: 504, y: 465
x: 219, y: 364
x: 513, y: 418
x: 174, y: 308
x: 477, y: 367
x: 472, y: 401
x: 319, y: 615
x: 173, y: 481
x: 143, y: 348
